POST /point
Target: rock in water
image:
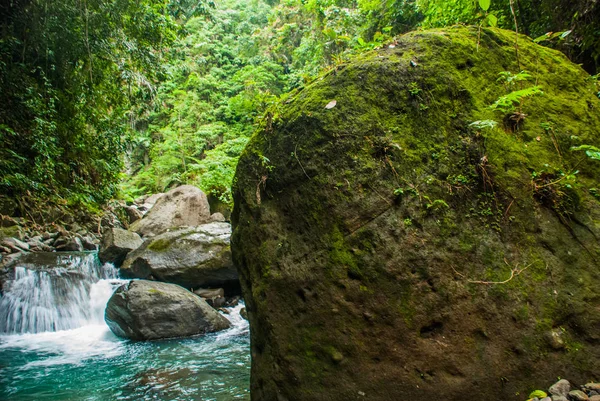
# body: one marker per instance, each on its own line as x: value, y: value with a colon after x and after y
x: 192, y: 257
x: 390, y: 246
x: 183, y: 206
x: 148, y: 310
x: 116, y: 244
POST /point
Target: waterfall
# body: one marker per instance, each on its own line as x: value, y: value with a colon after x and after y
x: 53, y: 292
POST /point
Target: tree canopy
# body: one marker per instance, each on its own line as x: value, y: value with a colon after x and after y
x: 153, y: 94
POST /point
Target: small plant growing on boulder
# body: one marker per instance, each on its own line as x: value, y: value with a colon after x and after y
x: 591, y: 151
x: 511, y: 104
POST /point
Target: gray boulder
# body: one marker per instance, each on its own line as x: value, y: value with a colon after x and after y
x: 183, y: 206
x: 116, y: 244
x: 133, y: 214
x: 148, y: 310
x: 149, y: 201
x: 380, y: 291
x: 15, y: 244
x: 217, y: 217
x: 191, y: 257
x: 210, y: 293
x: 69, y: 244
x: 89, y: 242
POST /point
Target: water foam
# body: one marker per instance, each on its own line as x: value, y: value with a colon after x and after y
x: 68, y: 293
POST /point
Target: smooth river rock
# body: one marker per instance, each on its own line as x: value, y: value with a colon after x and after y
x: 191, y: 257
x: 183, y: 206
x: 116, y: 244
x: 149, y: 310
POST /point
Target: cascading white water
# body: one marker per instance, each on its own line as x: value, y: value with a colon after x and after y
x: 56, y: 292
x: 54, y: 343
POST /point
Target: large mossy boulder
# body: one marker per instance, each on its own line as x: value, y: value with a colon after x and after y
x: 191, y: 257
x: 185, y: 205
x: 389, y: 248
x: 147, y: 310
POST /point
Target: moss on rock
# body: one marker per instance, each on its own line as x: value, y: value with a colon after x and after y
x: 391, y: 247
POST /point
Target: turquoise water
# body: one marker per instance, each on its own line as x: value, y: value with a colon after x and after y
x: 90, y: 363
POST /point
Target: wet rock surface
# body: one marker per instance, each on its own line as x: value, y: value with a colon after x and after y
x: 191, y: 257
x: 116, y: 244
x: 148, y: 310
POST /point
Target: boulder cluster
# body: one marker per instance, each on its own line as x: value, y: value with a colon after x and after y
x: 175, y: 249
x: 180, y: 255
x: 16, y: 238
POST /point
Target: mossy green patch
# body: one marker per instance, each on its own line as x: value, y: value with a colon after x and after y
x: 160, y: 245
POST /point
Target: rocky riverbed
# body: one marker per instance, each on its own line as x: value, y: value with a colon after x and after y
x: 60, y: 346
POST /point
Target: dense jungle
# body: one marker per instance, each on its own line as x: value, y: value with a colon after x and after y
x: 285, y: 200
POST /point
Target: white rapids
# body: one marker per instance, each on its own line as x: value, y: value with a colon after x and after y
x: 66, y: 292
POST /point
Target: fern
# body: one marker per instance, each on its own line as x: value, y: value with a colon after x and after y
x: 481, y: 124
x: 510, y: 78
x: 508, y: 103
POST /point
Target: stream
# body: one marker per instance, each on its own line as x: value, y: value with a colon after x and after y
x: 54, y: 344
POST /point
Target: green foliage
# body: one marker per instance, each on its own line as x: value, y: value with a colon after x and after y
x: 439, y: 13
x: 70, y: 74
x: 513, y: 100
x: 482, y: 124
x: 571, y: 26
x: 538, y: 394
x: 219, y: 84
x: 214, y: 174
x: 485, y: 4
x: 552, y: 36
x: 509, y: 102
x: 591, y: 151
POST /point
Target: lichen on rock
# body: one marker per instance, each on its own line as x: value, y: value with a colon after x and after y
x: 431, y: 254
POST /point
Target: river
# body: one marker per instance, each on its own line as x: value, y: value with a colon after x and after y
x: 54, y: 344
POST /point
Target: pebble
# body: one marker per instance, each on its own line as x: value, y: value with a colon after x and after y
x: 578, y: 395
x: 594, y: 398
x: 561, y: 388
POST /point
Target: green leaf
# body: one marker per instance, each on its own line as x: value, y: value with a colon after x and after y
x: 538, y: 393
x: 591, y: 151
x: 507, y: 103
x: 565, y: 34
x: 481, y: 124
x: 485, y: 4
x: 492, y: 20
